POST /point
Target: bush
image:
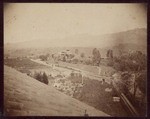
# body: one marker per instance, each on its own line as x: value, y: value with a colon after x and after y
x: 75, y: 61
x: 43, y: 57
x: 110, y: 63
x: 88, y: 62
x: 71, y: 56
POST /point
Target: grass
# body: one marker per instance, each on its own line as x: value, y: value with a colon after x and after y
x: 22, y: 63
x: 106, y: 70
x: 93, y: 93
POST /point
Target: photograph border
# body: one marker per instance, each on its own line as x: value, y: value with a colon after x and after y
x: 2, y: 4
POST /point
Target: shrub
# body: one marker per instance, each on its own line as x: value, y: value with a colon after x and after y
x: 141, y: 81
x: 72, y: 74
x: 135, y: 61
x: 110, y: 63
x: 45, y: 78
x: 75, y: 61
x: 82, y: 55
x: 43, y: 57
x: 88, y: 62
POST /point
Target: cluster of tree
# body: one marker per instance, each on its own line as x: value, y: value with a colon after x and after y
x: 81, y: 58
x: 96, y: 57
x: 42, y: 77
x: 70, y: 56
x: 135, y: 61
x: 94, y: 60
x: 67, y: 57
x: 134, y: 87
x: 141, y: 81
x: 135, y: 66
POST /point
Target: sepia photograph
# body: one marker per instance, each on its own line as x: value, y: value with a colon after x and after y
x: 75, y: 59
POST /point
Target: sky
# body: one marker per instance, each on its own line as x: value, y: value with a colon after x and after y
x: 49, y: 21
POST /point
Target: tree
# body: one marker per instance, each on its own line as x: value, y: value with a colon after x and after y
x: 96, y: 57
x: 94, y: 51
x: 64, y: 58
x: 38, y: 76
x: 76, y: 51
x: 135, y: 61
x: 71, y: 56
x: 45, y: 78
x: 75, y: 60
x: 52, y: 55
x: 141, y: 81
x: 47, y: 56
x: 109, y: 54
x: 126, y: 82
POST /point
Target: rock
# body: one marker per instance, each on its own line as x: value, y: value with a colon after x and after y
x: 116, y: 99
x: 108, y: 90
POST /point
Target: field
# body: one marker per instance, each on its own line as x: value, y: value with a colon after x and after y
x: 22, y: 63
x: 25, y: 65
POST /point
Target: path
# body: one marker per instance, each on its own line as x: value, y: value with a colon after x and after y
x: 69, y: 68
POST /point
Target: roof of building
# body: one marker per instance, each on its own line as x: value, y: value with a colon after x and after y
x: 25, y: 96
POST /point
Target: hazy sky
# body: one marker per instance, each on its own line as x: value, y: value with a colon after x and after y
x: 47, y: 21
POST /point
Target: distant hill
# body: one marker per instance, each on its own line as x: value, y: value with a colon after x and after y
x: 25, y: 96
x: 135, y: 36
x: 135, y: 39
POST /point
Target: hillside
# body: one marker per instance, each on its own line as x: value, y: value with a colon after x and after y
x: 25, y: 96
